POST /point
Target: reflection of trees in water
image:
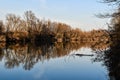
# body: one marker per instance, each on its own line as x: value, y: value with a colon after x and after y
x: 29, y: 54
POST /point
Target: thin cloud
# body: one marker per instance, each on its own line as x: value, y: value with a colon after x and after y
x: 43, y: 3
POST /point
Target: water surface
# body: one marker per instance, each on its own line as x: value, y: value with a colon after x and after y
x: 50, y: 63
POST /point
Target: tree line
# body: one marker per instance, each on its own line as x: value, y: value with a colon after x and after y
x: 30, y: 28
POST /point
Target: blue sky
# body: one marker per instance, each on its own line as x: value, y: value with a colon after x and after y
x: 77, y: 13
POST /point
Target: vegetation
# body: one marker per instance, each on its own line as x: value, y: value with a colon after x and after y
x: 29, y: 40
x: 32, y: 29
x: 111, y: 57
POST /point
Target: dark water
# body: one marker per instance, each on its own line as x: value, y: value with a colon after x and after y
x: 58, y: 62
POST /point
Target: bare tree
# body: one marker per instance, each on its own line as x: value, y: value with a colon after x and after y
x: 31, y: 20
x: 13, y: 22
x: 111, y: 1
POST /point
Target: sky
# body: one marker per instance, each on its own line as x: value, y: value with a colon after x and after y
x: 76, y: 13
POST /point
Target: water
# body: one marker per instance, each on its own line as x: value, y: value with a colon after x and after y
x: 50, y: 63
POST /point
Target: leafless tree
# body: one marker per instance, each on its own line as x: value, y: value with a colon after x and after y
x: 13, y: 22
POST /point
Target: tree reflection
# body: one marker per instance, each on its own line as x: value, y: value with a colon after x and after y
x: 27, y: 55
